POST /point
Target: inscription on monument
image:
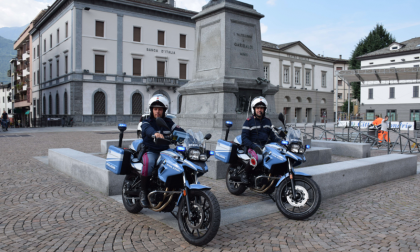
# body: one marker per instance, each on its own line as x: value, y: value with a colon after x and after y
x: 243, y: 52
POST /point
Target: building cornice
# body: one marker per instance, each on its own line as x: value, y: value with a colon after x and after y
x: 281, y: 51
x: 387, y: 55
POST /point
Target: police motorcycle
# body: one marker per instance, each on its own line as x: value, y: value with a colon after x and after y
x: 145, y: 117
x: 174, y: 182
x: 297, y: 196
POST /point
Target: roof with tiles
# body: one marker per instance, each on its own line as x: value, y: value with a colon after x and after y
x: 409, y: 45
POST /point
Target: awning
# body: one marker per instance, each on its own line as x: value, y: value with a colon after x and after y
x: 27, y: 112
x: 386, y: 75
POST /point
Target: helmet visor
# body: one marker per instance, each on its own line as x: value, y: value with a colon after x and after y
x: 157, y: 104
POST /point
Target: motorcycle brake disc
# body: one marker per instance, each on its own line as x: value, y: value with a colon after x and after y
x: 198, y: 210
x: 303, y: 197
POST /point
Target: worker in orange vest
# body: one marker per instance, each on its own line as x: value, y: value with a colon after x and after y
x: 377, y: 123
x: 384, y: 129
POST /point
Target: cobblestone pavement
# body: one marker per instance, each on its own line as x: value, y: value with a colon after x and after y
x: 44, y: 210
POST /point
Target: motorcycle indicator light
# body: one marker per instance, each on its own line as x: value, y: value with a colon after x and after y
x: 308, y: 146
x: 285, y: 142
x: 211, y: 153
x: 180, y: 148
x: 122, y: 125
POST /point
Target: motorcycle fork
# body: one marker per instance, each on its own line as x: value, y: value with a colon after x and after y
x: 187, y: 199
x: 292, y: 179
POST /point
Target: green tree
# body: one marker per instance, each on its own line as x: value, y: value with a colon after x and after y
x: 345, y: 109
x: 377, y: 38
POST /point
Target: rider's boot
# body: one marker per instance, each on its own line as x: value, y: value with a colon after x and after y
x: 144, y: 201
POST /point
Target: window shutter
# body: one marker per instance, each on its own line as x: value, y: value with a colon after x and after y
x: 99, y: 64
x: 161, y: 38
x: 137, y: 67
x: 66, y: 64
x: 58, y: 68
x: 161, y: 69
x: 99, y: 29
x: 67, y: 30
x: 183, y: 71
x: 137, y: 34
x: 183, y: 41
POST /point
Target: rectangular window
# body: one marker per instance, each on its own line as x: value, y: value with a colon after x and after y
x: 50, y: 71
x: 416, y: 66
x: 308, y: 78
x: 416, y: 91
x: 266, y: 72
x: 45, y: 45
x: 161, y: 69
x: 324, y: 79
x: 392, y: 114
x: 58, y: 36
x: 34, y: 78
x: 37, y: 50
x: 58, y: 68
x: 137, y: 34
x: 340, y: 96
x: 66, y: 64
x: 67, y: 29
x: 137, y: 67
x: 38, y: 108
x: 34, y: 52
x: 45, y: 73
x: 286, y: 75
x: 297, y: 76
x: 370, y: 115
x: 182, y: 71
x: 37, y: 77
x: 50, y: 41
x: 100, y: 25
x: 339, y: 68
x: 392, y: 92
x: 99, y: 64
x: 183, y: 41
x: 161, y: 38
x: 370, y: 93
x: 340, y: 82
x: 414, y: 115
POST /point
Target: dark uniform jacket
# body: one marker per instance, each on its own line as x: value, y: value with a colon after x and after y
x: 150, y: 127
x: 257, y: 131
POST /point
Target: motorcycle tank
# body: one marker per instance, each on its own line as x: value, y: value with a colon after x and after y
x: 275, y: 157
x: 170, y: 172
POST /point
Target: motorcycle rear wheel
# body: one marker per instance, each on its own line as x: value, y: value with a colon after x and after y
x: 132, y: 206
x: 308, y: 202
x: 233, y: 187
x: 205, y: 221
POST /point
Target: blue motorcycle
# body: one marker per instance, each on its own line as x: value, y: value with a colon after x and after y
x: 297, y: 196
x: 174, y: 182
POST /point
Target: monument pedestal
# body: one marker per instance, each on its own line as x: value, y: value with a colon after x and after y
x: 228, y: 61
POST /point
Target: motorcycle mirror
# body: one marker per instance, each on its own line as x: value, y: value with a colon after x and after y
x: 207, y: 137
x: 161, y: 123
x: 281, y: 118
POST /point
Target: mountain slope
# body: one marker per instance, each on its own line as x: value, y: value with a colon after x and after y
x: 6, y: 54
x: 12, y: 33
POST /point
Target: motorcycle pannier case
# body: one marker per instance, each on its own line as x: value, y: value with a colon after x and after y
x: 118, y: 160
x: 225, y: 151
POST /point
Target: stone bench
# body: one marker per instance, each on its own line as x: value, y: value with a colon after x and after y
x: 356, y: 150
x: 87, y: 169
x: 339, y: 178
x: 106, y: 143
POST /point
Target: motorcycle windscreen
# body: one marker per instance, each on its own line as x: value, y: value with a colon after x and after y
x: 223, y: 151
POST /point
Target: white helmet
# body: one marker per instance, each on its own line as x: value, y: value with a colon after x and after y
x: 158, y: 101
x: 259, y: 102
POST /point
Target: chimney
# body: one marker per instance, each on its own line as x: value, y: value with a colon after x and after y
x: 340, y: 56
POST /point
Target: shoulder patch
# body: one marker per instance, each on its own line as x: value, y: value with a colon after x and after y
x: 249, y: 118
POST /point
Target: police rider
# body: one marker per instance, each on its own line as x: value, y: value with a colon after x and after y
x: 256, y: 131
x: 158, y: 107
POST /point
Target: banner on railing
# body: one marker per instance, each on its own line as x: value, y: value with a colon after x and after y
x: 365, y: 124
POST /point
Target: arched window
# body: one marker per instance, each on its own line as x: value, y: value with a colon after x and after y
x: 50, y: 105
x: 136, y: 104
x: 323, y: 101
x: 298, y: 99
x: 57, y: 104
x: 44, y: 105
x: 287, y: 99
x: 65, y: 103
x: 179, y: 104
x: 99, y: 103
x: 309, y: 100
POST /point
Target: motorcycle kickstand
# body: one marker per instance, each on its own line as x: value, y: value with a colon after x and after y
x: 272, y: 197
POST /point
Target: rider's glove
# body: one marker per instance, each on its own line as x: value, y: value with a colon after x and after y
x: 257, y: 149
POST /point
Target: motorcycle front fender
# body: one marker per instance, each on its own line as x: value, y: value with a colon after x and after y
x: 193, y: 187
x: 296, y: 173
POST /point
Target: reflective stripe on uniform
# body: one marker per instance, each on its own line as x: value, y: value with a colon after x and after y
x: 245, y: 127
x: 174, y: 126
x: 267, y: 126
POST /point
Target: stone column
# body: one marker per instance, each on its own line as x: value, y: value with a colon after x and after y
x: 292, y: 74
x: 302, y: 81
x: 313, y: 77
x: 120, y: 45
x: 281, y: 74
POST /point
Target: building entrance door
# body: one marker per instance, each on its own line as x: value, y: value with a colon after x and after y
x: 298, y: 115
x: 308, y: 115
x: 323, y: 115
x: 287, y: 115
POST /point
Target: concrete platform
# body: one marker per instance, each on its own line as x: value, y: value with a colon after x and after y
x: 339, y: 178
x: 356, y: 150
x: 87, y: 169
x: 106, y: 143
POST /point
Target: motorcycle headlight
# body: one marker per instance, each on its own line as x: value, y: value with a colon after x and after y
x: 301, y: 150
x: 295, y: 148
x: 203, y: 157
x: 194, y: 155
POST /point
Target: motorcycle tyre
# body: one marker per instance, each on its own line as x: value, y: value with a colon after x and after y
x: 131, y: 208
x: 214, y: 222
x: 297, y: 216
x: 235, y: 191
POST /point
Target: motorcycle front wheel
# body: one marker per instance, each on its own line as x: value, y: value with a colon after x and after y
x: 205, y: 217
x: 307, y: 202
x: 131, y: 205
